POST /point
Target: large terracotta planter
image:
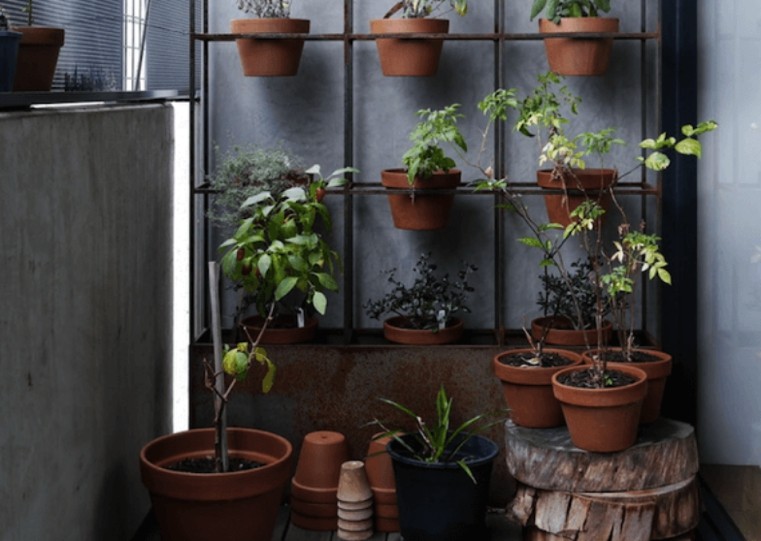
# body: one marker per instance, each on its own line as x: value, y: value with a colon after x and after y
x: 579, y: 185
x: 394, y: 331
x: 528, y: 390
x: 9, y: 45
x: 238, y: 506
x: 602, y: 420
x: 409, y: 57
x: 560, y: 332
x: 37, y: 58
x: 578, y: 56
x: 284, y: 332
x: 421, y: 212
x: 657, y: 371
x: 269, y: 57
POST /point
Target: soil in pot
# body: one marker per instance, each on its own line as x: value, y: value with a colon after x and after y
x: 559, y: 331
x: 579, y: 56
x: 527, y: 386
x: 396, y: 330
x: 409, y: 57
x: 602, y: 420
x: 209, y: 465
x: 421, y: 211
x: 282, y: 330
x: 270, y: 57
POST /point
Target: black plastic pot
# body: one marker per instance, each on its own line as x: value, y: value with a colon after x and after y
x: 9, y: 43
x: 439, y: 502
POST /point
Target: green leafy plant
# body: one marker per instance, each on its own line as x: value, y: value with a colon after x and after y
x: 416, y: 9
x: 426, y: 155
x: 266, y: 9
x: 430, y: 302
x: 555, y: 9
x: 437, y: 441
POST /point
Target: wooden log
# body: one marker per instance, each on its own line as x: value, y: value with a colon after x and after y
x: 665, y: 454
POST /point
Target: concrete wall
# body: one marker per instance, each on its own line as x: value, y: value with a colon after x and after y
x: 729, y: 412
x: 85, y: 320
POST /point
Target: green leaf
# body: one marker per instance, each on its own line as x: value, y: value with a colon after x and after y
x: 285, y: 287
x: 296, y: 193
x: 689, y: 147
x: 320, y: 302
x: 256, y: 199
x: 665, y: 276
x: 531, y: 242
x: 537, y: 8
x: 657, y: 161
x: 327, y: 281
x: 264, y: 264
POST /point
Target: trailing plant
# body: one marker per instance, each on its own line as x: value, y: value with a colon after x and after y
x: 437, y: 441
x: 426, y: 154
x: 416, y: 9
x: 266, y: 9
x: 430, y: 302
x: 556, y: 9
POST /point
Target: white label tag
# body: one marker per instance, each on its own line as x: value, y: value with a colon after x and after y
x: 300, y: 319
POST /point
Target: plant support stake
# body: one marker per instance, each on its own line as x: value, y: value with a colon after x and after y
x: 220, y: 442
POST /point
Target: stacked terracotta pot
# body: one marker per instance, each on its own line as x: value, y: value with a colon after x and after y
x: 380, y: 474
x: 355, y: 503
x: 314, y: 487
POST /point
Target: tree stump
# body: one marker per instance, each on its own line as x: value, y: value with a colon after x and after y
x: 648, y: 491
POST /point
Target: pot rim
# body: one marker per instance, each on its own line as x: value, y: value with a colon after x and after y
x: 491, y: 451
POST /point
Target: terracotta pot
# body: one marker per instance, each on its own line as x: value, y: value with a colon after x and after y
x: 269, y: 57
x: 393, y: 332
x: 9, y: 45
x: 528, y: 391
x: 37, y: 58
x: 353, y: 486
x: 285, y: 333
x: 386, y: 525
x: 562, y: 333
x: 657, y: 371
x: 241, y: 505
x: 421, y: 212
x: 380, y: 471
x: 384, y: 496
x: 584, y: 181
x: 578, y: 56
x: 319, y: 524
x: 322, y: 454
x: 409, y: 57
x: 602, y: 420
x: 314, y: 494
x: 312, y: 509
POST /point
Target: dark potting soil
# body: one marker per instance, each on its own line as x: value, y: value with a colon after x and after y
x: 638, y: 356
x: 585, y: 379
x: 548, y: 360
x: 207, y: 465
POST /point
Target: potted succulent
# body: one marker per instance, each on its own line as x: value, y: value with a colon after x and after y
x: 413, y: 57
x: 219, y: 483
x: 573, y: 55
x: 37, y: 55
x: 442, y: 474
x: 269, y: 57
x: 9, y: 43
x: 278, y: 256
x: 426, y: 167
x: 424, y: 313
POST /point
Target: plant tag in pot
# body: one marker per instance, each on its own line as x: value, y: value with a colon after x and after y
x: 300, y: 318
x: 441, y: 317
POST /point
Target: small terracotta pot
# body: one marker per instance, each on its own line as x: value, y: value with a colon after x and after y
x: 269, y: 57
x: 380, y: 470
x: 312, y: 509
x: 393, y: 332
x: 357, y: 514
x: 319, y: 465
x: 657, y: 372
x: 356, y: 526
x: 602, y: 420
x: 37, y: 58
x: 355, y: 506
x: 384, y: 496
x: 562, y: 333
x: 345, y: 535
x: 282, y: 334
x: 353, y: 486
x: 318, y: 524
x: 409, y: 57
x: 416, y: 211
x: 528, y: 391
x: 578, y: 56
x: 314, y: 495
x: 386, y: 511
x: 583, y: 181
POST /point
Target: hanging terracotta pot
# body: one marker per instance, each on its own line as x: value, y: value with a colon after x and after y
x: 602, y: 420
x: 395, y: 331
x: 657, y: 366
x: 559, y: 331
x: 579, y: 185
x: 282, y: 331
x: 9, y: 45
x: 409, y: 57
x: 578, y: 56
x: 269, y: 57
x: 237, y: 506
x: 37, y: 58
x: 528, y: 389
x: 416, y: 211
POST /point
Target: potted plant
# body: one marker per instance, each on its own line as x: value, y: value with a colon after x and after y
x: 442, y: 474
x: 219, y: 483
x: 278, y: 256
x: 424, y: 313
x: 269, y: 57
x: 413, y: 57
x: 37, y: 55
x: 427, y: 167
x: 9, y: 43
x: 574, y: 55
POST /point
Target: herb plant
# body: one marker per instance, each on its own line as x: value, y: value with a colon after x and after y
x: 430, y: 302
x: 555, y: 9
x: 416, y: 9
x: 266, y: 9
x: 426, y: 154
